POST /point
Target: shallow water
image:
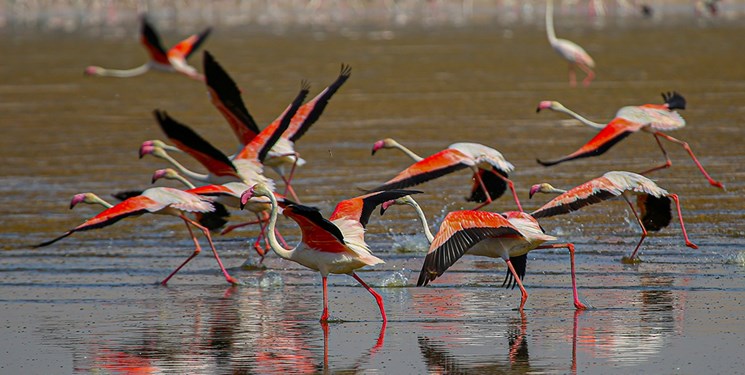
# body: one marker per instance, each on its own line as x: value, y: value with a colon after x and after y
x: 91, y: 303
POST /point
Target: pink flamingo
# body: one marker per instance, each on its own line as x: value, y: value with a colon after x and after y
x: 570, y: 51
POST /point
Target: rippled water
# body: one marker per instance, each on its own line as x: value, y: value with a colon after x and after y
x: 91, y: 303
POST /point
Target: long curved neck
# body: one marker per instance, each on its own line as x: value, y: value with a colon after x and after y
x: 406, y: 151
x: 183, y: 170
x: 126, y: 73
x: 423, y: 220
x: 183, y: 180
x: 272, y: 236
x: 579, y: 117
x: 95, y: 199
x: 550, y: 21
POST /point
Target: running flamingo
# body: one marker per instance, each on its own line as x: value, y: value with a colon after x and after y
x: 336, y: 245
x: 173, y: 60
x: 570, y: 51
x: 490, y: 169
x: 653, y: 201
x: 158, y: 200
x: 463, y: 226
x: 651, y: 118
x: 226, y: 97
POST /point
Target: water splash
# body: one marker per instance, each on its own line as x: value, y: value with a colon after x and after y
x: 271, y: 279
x: 398, y: 279
x: 737, y: 258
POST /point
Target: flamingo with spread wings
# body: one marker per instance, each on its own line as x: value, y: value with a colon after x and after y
x: 173, y: 60
x: 652, y: 201
x: 335, y: 245
x: 650, y: 118
x: 158, y: 200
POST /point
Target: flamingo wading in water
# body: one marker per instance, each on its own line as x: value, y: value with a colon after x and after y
x: 173, y: 60
x: 489, y: 167
x: 476, y: 234
x: 570, y: 51
x: 335, y: 245
x: 652, y: 201
x: 158, y: 200
x: 650, y: 118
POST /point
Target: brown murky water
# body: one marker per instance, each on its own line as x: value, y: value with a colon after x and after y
x: 91, y: 303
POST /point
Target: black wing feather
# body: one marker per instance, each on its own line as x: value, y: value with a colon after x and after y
x: 200, y: 39
x: 314, y: 214
x: 520, y: 264
x: 420, y: 178
x: 321, y: 102
x: 495, y: 185
x: 285, y: 121
x: 657, y: 212
x: 228, y: 92
x: 148, y: 31
x: 369, y: 203
x: 598, y: 151
x: 599, y: 196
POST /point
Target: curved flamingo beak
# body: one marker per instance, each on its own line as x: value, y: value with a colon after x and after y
x: 245, y: 196
x: 157, y: 175
x: 534, y: 189
x: 546, y: 104
x: 91, y: 71
x: 386, y: 205
x: 146, y: 148
x: 77, y: 198
x: 377, y: 146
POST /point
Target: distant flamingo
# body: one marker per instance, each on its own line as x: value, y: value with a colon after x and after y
x: 336, y: 245
x: 89, y: 198
x: 464, y: 227
x: 174, y: 60
x: 570, y: 51
x: 158, y: 200
x: 489, y: 166
x: 653, y: 201
x: 651, y: 118
x: 226, y: 97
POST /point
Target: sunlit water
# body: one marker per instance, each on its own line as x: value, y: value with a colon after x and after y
x: 91, y: 303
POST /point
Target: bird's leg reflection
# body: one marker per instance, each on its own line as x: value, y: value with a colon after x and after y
x: 362, y: 359
x: 518, y: 345
x: 575, y: 329
x: 325, y: 328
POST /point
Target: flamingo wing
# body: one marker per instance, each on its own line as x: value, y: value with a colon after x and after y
x: 459, y: 231
x: 429, y: 168
x: 655, y: 212
x: 269, y: 136
x: 594, y: 191
x: 309, y: 113
x: 360, y: 208
x: 495, y: 185
x: 226, y: 97
x: 150, y: 39
x: 318, y: 232
x: 130, y: 207
x: 185, y: 48
x: 190, y: 142
x: 611, y: 134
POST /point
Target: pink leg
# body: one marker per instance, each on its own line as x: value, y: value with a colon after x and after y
x: 577, y: 303
x: 644, y: 230
x: 512, y: 188
x: 230, y: 228
x: 325, y: 314
x: 682, y: 226
x: 523, y: 292
x: 288, y: 180
x: 667, y: 164
x: 197, y: 250
x: 325, y: 328
x: 690, y: 152
x: 572, y: 76
x: 206, y: 232
x: 483, y: 187
x: 375, y: 294
x: 519, y: 340
x: 589, y: 72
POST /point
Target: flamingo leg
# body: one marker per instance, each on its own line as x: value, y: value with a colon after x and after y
x: 196, y: 252
x: 572, y: 76
x: 257, y: 244
x: 590, y: 74
x: 575, y: 294
x: 682, y: 226
x: 325, y: 328
x: 523, y: 292
x: 325, y: 314
x: 236, y: 226
x: 206, y: 232
x: 644, y: 230
x: 512, y: 188
x: 668, y: 162
x: 288, y: 180
x: 688, y: 149
x: 375, y: 294
x: 486, y: 192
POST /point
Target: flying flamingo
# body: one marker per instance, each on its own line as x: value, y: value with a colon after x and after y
x: 480, y: 235
x: 158, y: 200
x: 652, y: 201
x: 651, y: 118
x: 335, y: 245
x: 489, y: 167
x: 226, y: 97
x: 570, y: 51
x: 173, y: 60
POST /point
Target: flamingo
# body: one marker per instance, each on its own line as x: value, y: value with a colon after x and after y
x: 489, y: 166
x: 173, y: 60
x: 651, y: 118
x: 652, y: 201
x: 226, y: 97
x: 335, y: 245
x: 465, y: 227
x: 158, y: 200
x: 570, y: 51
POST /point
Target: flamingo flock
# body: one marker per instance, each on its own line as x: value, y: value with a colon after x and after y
x: 336, y: 245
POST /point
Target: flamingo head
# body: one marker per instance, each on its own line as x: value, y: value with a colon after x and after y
x: 405, y: 200
x: 547, y: 104
x: 545, y: 188
x: 93, y: 71
x: 383, y: 143
x: 166, y: 173
x: 88, y: 198
x: 258, y: 190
